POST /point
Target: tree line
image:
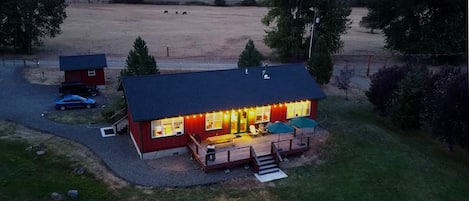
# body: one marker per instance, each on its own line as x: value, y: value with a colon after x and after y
x: 413, y: 97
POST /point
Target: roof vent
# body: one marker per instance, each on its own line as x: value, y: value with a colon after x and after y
x: 265, y: 75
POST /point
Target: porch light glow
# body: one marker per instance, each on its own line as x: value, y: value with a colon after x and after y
x: 193, y: 116
x: 188, y: 117
x: 200, y: 115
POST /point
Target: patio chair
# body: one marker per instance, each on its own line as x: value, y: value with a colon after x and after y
x: 262, y: 129
x: 253, y: 131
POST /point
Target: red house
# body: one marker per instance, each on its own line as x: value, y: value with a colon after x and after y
x: 88, y: 69
x: 164, y: 110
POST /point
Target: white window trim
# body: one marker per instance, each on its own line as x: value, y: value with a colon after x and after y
x: 92, y: 73
x: 173, y: 120
x: 213, y: 118
x: 263, y: 112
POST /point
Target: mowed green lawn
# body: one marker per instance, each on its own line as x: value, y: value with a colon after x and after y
x: 364, y: 159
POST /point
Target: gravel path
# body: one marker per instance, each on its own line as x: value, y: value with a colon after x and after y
x: 23, y: 103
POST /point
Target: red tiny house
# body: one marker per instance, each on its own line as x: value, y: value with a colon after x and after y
x: 84, y: 76
x: 206, y: 104
x: 87, y: 69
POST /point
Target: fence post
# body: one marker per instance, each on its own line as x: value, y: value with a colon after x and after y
x: 369, y: 63
x: 167, y: 51
x: 229, y: 155
x: 291, y: 142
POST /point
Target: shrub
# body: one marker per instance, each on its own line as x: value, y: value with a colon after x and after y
x: 219, y: 3
x: 383, y: 87
x: 248, y: 3
x: 197, y: 3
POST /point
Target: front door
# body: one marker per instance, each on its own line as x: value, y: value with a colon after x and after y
x: 238, y: 122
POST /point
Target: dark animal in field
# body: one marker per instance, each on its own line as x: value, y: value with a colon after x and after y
x: 165, y: 12
x: 184, y: 13
x: 177, y: 13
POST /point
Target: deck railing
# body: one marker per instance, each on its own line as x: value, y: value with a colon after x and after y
x: 246, y: 154
x: 238, y: 151
x: 288, y: 145
x: 255, y: 159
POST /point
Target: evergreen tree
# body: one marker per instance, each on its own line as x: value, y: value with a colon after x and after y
x: 250, y: 57
x: 288, y: 20
x: 320, y: 63
x: 406, y: 112
x: 24, y: 23
x: 139, y: 62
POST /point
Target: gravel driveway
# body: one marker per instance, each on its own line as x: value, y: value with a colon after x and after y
x: 23, y: 103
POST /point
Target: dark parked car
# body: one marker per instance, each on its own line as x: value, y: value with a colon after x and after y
x: 74, y: 101
x: 77, y: 88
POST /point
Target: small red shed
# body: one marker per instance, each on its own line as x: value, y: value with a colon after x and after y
x: 88, y: 69
x: 165, y: 109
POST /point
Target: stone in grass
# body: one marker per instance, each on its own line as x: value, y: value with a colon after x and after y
x: 79, y: 170
x: 72, y: 193
x: 56, y: 196
x: 40, y: 152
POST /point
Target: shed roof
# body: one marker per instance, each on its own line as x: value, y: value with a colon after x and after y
x: 161, y: 96
x: 82, y: 62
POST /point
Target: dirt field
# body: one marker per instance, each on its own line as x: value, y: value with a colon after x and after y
x: 207, y: 33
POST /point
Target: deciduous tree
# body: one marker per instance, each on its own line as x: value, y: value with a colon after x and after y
x: 446, y: 107
x: 421, y: 27
x: 287, y: 22
x: 383, y: 87
x: 25, y: 23
x: 344, y: 79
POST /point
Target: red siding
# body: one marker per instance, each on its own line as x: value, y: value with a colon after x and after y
x: 314, y: 109
x: 135, y: 130
x: 195, y: 124
x: 278, y: 113
x: 82, y: 76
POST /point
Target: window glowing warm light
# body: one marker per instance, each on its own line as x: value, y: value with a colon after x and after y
x: 167, y: 127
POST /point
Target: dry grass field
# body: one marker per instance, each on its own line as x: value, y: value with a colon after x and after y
x: 206, y: 33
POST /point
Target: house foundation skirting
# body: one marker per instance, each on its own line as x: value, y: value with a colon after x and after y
x: 164, y: 153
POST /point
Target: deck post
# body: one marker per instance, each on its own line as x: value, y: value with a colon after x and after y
x: 196, y: 148
x: 229, y: 155
x: 291, y: 142
x: 308, y: 141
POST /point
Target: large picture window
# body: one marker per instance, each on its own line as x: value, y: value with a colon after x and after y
x: 262, y: 114
x: 298, y: 109
x: 167, y: 127
x: 213, y: 121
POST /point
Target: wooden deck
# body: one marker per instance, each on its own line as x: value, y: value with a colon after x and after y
x: 242, y: 149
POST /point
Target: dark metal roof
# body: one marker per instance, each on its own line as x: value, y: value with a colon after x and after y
x: 82, y: 62
x: 161, y: 96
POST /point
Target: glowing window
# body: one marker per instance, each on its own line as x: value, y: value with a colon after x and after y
x: 213, y: 121
x: 91, y: 73
x: 167, y: 127
x: 262, y: 114
x: 298, y: 109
